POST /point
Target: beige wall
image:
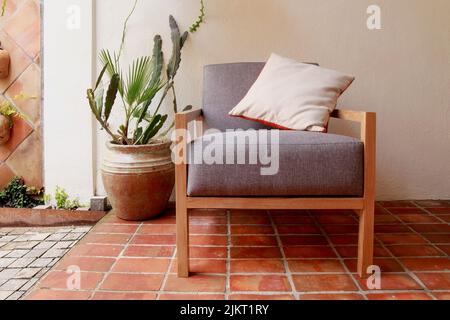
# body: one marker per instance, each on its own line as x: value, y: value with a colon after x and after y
x: 402, y: 70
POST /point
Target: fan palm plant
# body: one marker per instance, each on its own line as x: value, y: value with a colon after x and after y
x: 137, y: 89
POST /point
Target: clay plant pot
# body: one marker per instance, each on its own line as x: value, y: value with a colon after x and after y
x: 5, y: 129
x: 138, y: 179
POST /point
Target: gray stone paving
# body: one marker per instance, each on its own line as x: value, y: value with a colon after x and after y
x: 26, y: 254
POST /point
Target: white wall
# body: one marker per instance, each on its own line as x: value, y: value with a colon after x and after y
x: 402, y: 70
x: 68, y: 125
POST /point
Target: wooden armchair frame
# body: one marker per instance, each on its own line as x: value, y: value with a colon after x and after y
x: 364, y: 207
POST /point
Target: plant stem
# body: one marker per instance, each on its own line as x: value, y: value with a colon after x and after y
x: 124, y: 31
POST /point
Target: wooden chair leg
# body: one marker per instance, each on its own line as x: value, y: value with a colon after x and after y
x: 182, y: 240
x: 366, y: 239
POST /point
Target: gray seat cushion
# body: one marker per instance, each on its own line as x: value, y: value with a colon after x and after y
x: 310, y: 164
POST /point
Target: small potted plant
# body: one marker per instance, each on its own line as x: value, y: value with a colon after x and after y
x: 7, y: 113
x: 138, y: 172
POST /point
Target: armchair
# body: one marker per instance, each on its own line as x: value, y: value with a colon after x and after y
x: 352, y: 187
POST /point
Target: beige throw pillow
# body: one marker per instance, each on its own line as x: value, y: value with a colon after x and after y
x: 293, y: 96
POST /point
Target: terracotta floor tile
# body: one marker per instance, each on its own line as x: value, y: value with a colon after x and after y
x: 408, y: 238
x: 332, y: 213
x: 204, y: 266
x: 289, y: 213
x: 257, y: 266
x: 207, y: 213
x: 386, y: 265
x: 259, y: 283
x: 341, y: 229
x: 442, y: 295
x: 399, y: 296
x: 149, y: 251
x: 252, y: 252
x: 352, y: 251
x: 435, y: 281
x: 336, y: 220
x: 237, y: 213
x: 433, y: 203
x: 159, y: 229
x: 58, y: 295
x: 332, y: 297
x: 252, y: 230
x: 86, y: 263
x: 206, y: 220
x: 167, y: 219
x: 343, y: 239
x: 59, y: 279
x: 444, y: 248
x: 208, y: 252
x: 316, y: 265
x: 205, y: 229
x: 439, y: 211
x: 264, y: 220
x: 393, y: 281
x: 191, y: 297
x: 313, y: 283
x: 154, y: 239
x: 431, y: 228
x: 254, y: 241
x: 122, y: 296
x: 438, y: 238
x: 414, y: 251
x: 96, y: 238
x: 445, y: 217
x: 427, y: 264
x: 391, y: 228
x: 132, y: 282
x: 141, y: 265
x: 309, y: 252
x: 396, y: 204
x: 196, y: 283
x: 401, y: 211
x: 208, y: 240
x: 259, y: 297
x: 96, y: 250
x: 385, y: 219
x: 298, y: 229
x: 301, y: 240
x: 418, y: 218
x: 114, y: 228
x: 280, y: 220
x: 111, y: 218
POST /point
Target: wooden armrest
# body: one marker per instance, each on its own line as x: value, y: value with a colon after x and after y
x: 182, y: 119
x: 350, y: 115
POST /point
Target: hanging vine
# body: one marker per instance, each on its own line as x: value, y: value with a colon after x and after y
x: 201, y: 18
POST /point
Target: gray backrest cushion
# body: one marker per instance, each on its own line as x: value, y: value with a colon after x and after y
x: 225, y: 85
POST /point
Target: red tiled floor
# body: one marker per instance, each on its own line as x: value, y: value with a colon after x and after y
x: 314, y: 283
x: 250, y: 252
x: 433, y: 203
x: 385, y: 264
x: 128, y: 260
x: 121, y: 296
x: 141, y: 265
x: 435, y: 281
x: 396, y: 204
x: 427, y: 264
x: 316, y: 265
x: 132, y: 282
x: 392, y: 281
x: 309, y: 252
x: 399, y: 296
x: 257, y: 266
x: 204, y: 266
x: 196, y: 283
x: 60, y: 280
x: 259, y: 283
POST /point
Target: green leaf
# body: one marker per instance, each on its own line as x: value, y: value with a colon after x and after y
x: 93, y: 104
x: 149, y: 134
x: 138, y: 77
x: 100, y: 77
x: 99, y: 101
x: 111, y: 95
x: 178, y: 42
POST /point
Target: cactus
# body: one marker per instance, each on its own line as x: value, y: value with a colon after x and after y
x: 137, y: 89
